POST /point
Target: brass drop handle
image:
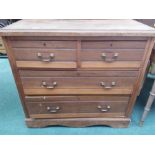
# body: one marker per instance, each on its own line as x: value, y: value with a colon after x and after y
x: 104, y: 109
x: 51, y: 57
x: 53, y: 109
x: 103, y: 84
x: 45, y: 85
x: 114, y: 57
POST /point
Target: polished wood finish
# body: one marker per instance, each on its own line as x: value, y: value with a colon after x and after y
x: 78, y: 72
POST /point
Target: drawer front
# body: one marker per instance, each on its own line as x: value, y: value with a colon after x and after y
x: 77, y: 85
x: 45, y: 54
x: 78, y: 82
x: 77, y: 108
x: 112, y: 54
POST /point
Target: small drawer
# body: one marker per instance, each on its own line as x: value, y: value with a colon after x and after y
x: 76, y: 108
x: 112, y: 54
x: 44, y: 54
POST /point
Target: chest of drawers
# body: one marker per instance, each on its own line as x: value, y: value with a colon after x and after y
x: 78, y: 72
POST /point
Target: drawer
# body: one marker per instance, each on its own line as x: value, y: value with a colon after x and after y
x: 77, y: 85
x: 78, y: 82
x: 112, y: 54
x: 77, y: 108
x: 45, y: 54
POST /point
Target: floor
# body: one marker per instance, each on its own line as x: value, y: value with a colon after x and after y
x: 12, y: 116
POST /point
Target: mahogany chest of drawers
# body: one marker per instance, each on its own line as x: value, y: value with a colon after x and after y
x: 78, y: 72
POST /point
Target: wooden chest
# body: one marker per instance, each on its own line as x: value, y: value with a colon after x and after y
x: 78, y: 72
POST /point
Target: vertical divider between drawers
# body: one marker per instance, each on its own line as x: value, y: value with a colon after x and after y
x: 78, y: 54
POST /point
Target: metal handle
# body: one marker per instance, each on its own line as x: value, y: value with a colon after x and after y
x: 53, y: 109
x: 44, y: 84
x: 104, y: 109
x: 114, y: 57
x: 108, y: 87
x: 51, y: 56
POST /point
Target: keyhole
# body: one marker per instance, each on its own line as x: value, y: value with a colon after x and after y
x: 44, y: 44
x: 111, y: 45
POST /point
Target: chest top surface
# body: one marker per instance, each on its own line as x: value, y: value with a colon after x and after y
x: 59, y: 27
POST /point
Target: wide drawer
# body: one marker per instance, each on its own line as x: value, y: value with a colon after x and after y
x: 77, y: 82
x: 77, y: 107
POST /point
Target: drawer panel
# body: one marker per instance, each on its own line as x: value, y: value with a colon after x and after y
x: 113, y: 44
x: 45, y: 44
x: 111, y: 55
x: 37, y: 54
x: 78, y: 82
x: 92, y: 73
x: 66, y: 109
